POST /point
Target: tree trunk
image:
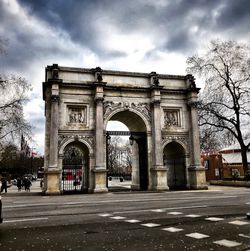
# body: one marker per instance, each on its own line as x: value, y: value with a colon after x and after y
x: 244, y: 159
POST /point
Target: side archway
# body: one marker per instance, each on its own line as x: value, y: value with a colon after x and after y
x: 75, y: 167
x: 174, y: 157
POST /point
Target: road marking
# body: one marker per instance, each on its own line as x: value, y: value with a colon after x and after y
x: 197, y: 235
x: 175, y: 213
x: 150, y: 225
x: 118, y: 218
x: 238, y: 222
x: 132, y: 221
x: 248, y: 203
x: 22, y: 220
x: 227, y: 243
x: 158, y: 210
x: 172, y: 229
x: 214, y: 219
x: 245, y: 236
x: 105, y: 215
x: 148, y: 210
x: 192, y: 215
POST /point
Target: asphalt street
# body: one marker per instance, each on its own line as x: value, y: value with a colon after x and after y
x: 179, y: 220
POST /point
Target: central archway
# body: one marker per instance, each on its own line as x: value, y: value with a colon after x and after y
x: 174, y: 160
x: 139, y: 146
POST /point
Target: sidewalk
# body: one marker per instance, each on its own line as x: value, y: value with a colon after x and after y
x: 35, y: 189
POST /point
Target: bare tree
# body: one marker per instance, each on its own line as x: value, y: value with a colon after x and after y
x: 224, y: 102
x: 119, y: 157
x: 13, y: 95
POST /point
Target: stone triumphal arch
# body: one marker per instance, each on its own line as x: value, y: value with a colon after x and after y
x: 158, y: 109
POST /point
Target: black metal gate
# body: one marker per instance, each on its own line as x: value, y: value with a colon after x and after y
x: 73, y: 170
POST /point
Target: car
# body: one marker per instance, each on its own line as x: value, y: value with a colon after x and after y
x: 29, y: 176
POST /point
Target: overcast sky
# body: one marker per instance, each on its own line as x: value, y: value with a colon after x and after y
x: 131, y: 35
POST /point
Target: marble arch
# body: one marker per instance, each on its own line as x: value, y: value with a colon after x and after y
x: 79, y: 102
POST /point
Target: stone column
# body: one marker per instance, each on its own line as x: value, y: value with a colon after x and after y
x: 53, y: 172
x: 100, y: 171
x: 158, y: 170
x: 197, y: 177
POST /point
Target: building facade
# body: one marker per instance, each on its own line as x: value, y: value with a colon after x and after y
x: 159, y: 110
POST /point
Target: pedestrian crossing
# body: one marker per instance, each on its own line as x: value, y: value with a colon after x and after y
x: 194, y: 235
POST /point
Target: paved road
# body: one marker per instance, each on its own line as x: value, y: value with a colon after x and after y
x: 185, y: 220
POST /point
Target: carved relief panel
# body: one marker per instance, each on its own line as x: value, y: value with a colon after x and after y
x: 172, y: 117
x: 77, y: 115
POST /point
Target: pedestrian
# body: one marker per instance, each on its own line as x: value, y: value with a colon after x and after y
x: 4, y: 185
x: 27, y: 184
x: 41, y: 183
x: 19, y: 184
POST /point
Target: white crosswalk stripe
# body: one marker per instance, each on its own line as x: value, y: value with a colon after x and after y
x: 132, y: 221
x: 172, y: 229
x: 117, y: 217
x: 105, y: 215
x: 239, y: 223
x: 197, y: 235
x: 193, y: 215
x: 150, y: 225
x: 227, y: 243
x: 175, y: 213
x: 214, y: 219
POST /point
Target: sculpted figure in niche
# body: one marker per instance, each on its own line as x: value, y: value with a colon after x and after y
x: 76, y: 116
x: 171, y: 118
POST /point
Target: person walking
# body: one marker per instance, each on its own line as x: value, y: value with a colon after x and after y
x: 19, y: 184
x: 4, y: 185
x: 27, y: 185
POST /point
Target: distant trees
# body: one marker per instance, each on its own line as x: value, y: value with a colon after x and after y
x: 119, y: 157
x: 13, y: 95
x: 224, y: 102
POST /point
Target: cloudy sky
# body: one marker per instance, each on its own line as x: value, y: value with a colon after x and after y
x: 131, y: 35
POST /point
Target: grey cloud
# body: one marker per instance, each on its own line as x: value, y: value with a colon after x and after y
x: 173, y: 21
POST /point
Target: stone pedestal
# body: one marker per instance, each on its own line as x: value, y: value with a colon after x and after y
x: 52, y: 176
x: 100, y: 181
x: 160, y: 179
x: 197, y: 178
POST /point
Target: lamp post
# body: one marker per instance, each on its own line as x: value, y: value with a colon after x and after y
x: 131, y: 140
x: 31, y: 160
x: 73, y: 159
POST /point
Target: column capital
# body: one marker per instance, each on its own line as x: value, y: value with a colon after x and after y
x: 99, y: 100
x: 192, y: 103
x: 54, y: 98
x: 156, y: 102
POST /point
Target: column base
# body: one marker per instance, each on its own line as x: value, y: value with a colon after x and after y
x: 52, y: 182
x: 159, y: 178
x: 100, y: 190
x: 100, y: 175
x: 197, y: 177
x: 135, y: 187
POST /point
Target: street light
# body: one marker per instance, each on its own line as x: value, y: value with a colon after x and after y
x: 31, y: 160
x: 131, y: 140
x: 73, y: 156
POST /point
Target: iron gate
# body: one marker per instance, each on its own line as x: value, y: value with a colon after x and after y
x: 73, y: 170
